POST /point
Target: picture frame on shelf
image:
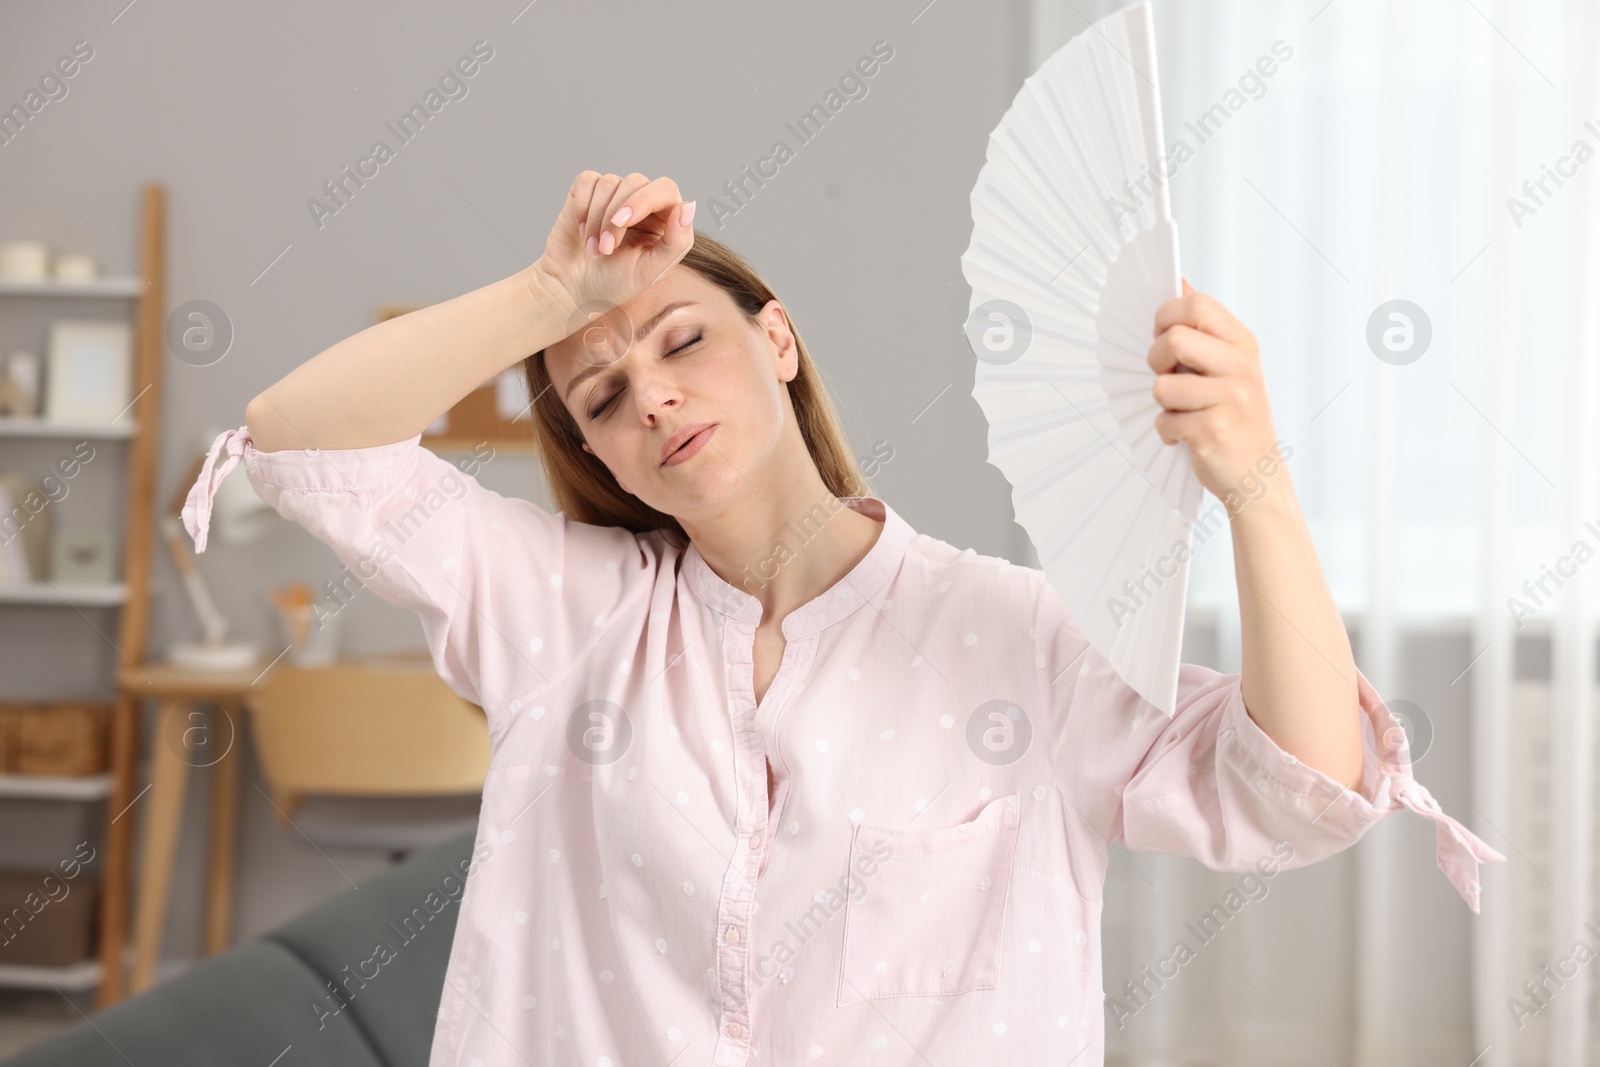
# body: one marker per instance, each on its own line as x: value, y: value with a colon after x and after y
x: 90, y: 371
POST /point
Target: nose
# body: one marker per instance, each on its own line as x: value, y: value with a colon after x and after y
x: 655, y: 396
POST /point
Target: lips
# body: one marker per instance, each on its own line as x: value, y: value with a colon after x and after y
x: 681, y: 437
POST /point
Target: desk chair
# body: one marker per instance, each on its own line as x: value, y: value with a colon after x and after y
x: 358, y: 756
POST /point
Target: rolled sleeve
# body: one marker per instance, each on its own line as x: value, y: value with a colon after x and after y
x: 488, y: 575
x: 1220, y: 789
x: 1209, y: 783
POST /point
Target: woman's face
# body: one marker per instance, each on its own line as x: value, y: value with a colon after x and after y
x: 680, y: 355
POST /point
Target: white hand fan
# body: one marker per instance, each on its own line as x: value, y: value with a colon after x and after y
x: 1073, y: 248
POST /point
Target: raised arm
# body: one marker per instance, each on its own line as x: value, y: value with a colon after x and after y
x: 393, y: 380
x: 1298, y: 676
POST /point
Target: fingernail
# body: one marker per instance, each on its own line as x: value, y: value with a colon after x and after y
x: 593, y: 243
x: 607, y: 243
x: 688, y: 213
x: 622, y: 216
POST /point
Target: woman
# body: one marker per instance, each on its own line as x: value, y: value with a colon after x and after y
x: 775, y: 778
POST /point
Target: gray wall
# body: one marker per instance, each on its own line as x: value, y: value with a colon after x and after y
x: 244, y: 111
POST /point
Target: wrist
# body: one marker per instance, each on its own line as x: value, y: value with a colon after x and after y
x: 546, y: 290
x: 548, y: 310
x: 1263, y: 486
x: 1274, y: 511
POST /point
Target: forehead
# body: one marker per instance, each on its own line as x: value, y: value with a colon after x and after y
x: 566, y: 358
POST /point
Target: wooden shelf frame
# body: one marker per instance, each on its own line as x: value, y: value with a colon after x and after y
x: 137, y: 561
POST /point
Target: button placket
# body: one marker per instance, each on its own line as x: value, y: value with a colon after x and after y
x: 738, y: 887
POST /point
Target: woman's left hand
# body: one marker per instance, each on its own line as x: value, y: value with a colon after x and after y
x: 1220, y: 409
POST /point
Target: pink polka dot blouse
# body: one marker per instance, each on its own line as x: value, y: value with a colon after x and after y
x: 952, y: 764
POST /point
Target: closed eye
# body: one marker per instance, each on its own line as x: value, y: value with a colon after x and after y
x: 603, y: 408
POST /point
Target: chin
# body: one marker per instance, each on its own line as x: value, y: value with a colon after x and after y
x: 710, y: 479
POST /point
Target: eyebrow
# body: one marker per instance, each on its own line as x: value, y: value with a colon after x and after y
x: 644, y: 331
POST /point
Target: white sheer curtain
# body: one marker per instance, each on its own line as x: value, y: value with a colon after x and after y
x: 1378, y: 162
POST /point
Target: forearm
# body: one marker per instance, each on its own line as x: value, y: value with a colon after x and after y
x: 394, y: 379
x: 1299, y: 676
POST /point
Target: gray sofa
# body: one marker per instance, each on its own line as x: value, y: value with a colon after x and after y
x: 248, y: 1005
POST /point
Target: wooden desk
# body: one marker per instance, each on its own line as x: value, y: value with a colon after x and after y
x: 195, y: 709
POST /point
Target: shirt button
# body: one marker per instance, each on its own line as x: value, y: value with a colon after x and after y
x: 755, y: 840
x: 734, y: 1029
x: 733, y: 935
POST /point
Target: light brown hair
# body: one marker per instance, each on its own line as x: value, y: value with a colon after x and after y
x: 583, y: 487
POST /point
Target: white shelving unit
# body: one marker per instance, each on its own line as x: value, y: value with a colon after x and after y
x: 84, y: 976
x: 132, y: 438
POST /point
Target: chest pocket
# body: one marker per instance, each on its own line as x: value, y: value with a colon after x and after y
x: 930, y: 915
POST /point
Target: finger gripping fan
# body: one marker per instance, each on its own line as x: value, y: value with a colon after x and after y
x: 1073, y: 248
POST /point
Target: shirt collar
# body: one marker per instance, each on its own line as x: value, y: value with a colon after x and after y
x: 838, y: 601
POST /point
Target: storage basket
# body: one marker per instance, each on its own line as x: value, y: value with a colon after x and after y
x: 61, y: 738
